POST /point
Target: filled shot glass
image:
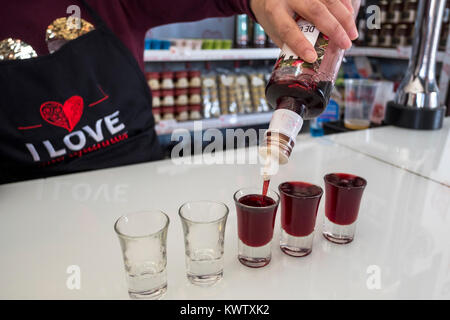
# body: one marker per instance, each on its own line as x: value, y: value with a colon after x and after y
x: 204, y: 233
x: 143, y: 237
x: 256, y: 219
x: 299, y: 204
x: 343, y: 193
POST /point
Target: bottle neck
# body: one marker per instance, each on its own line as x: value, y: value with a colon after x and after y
x: 293, y: 104
x: 282, y: 133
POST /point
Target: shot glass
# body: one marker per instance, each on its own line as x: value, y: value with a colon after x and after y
x: 343, y: 193
x: 143, y: 237
x: 204, y: 233
x: 256, y: 219
x: 299, y: 204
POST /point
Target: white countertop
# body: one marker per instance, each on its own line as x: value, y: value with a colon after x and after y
x: 403, y: 227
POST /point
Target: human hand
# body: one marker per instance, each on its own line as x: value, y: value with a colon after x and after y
x: 334, y: 18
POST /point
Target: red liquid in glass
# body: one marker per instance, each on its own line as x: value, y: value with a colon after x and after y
x: 299, y: 204
x: 265, y: 187
x: 343, y: 197
x: 256, y: 219
x: 306, y: 98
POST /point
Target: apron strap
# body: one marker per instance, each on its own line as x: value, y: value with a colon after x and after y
x: 98, y: 20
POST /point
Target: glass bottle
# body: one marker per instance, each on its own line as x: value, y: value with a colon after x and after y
x: 242, y: 31
x: 299, y: 90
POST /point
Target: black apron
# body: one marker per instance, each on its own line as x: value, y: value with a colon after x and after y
x: 86, y: 106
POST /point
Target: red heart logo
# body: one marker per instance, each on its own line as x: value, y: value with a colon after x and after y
x: 65, y: 116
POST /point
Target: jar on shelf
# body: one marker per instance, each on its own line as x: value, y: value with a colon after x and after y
x: 195, y: 96
x: 168, y: 99
x: 157, y: 114
x: 181, y: 80
x: 395, y: 12
x: 181, y: 97
x: 372, y: 37
x: 182, y: 113
x: 401, y: 35
x: 153, y: 80
x: 410, y: 12
x: 156, y: 98
x: 384, y: 9
x: 168, y: 113
x: 167, y: 80
x: 386, y: 36
x: 195, y: 112
x: 195, y: 80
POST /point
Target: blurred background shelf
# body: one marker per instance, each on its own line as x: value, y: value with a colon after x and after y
x: 403, y: 53
x: 210, y: 55
x: 222, y: 122
x: 267, y: 54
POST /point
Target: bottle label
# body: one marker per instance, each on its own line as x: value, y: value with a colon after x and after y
x: 242, y: 29
x: 286, y: 122
x: 320, y: 42
x: 259, y: 34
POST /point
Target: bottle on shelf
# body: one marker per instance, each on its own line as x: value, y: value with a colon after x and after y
x: 259, y: 36
x: 298, y: 91
x: 242, y: 31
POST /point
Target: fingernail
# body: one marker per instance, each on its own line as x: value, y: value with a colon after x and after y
x: 354, y: 34
x: 346, y: 44
x: 310, y: 55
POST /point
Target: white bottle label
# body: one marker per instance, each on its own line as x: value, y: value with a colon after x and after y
x: 310, y: 32
x: 286, y: 122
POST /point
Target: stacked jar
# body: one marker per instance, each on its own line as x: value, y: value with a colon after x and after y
x: 181, y: 95
x: 195, y: 98
x: 155, y: 86
x: 168, y: 95
x: 397, y: 24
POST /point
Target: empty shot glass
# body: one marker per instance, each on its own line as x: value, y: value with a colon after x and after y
x: 204, y: 233
x: 343, y: 193
x: 256, y: 219
x: 299, y: 204
x: 143, y: 238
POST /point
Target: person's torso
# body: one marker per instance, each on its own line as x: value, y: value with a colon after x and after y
x: 85, y: 106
